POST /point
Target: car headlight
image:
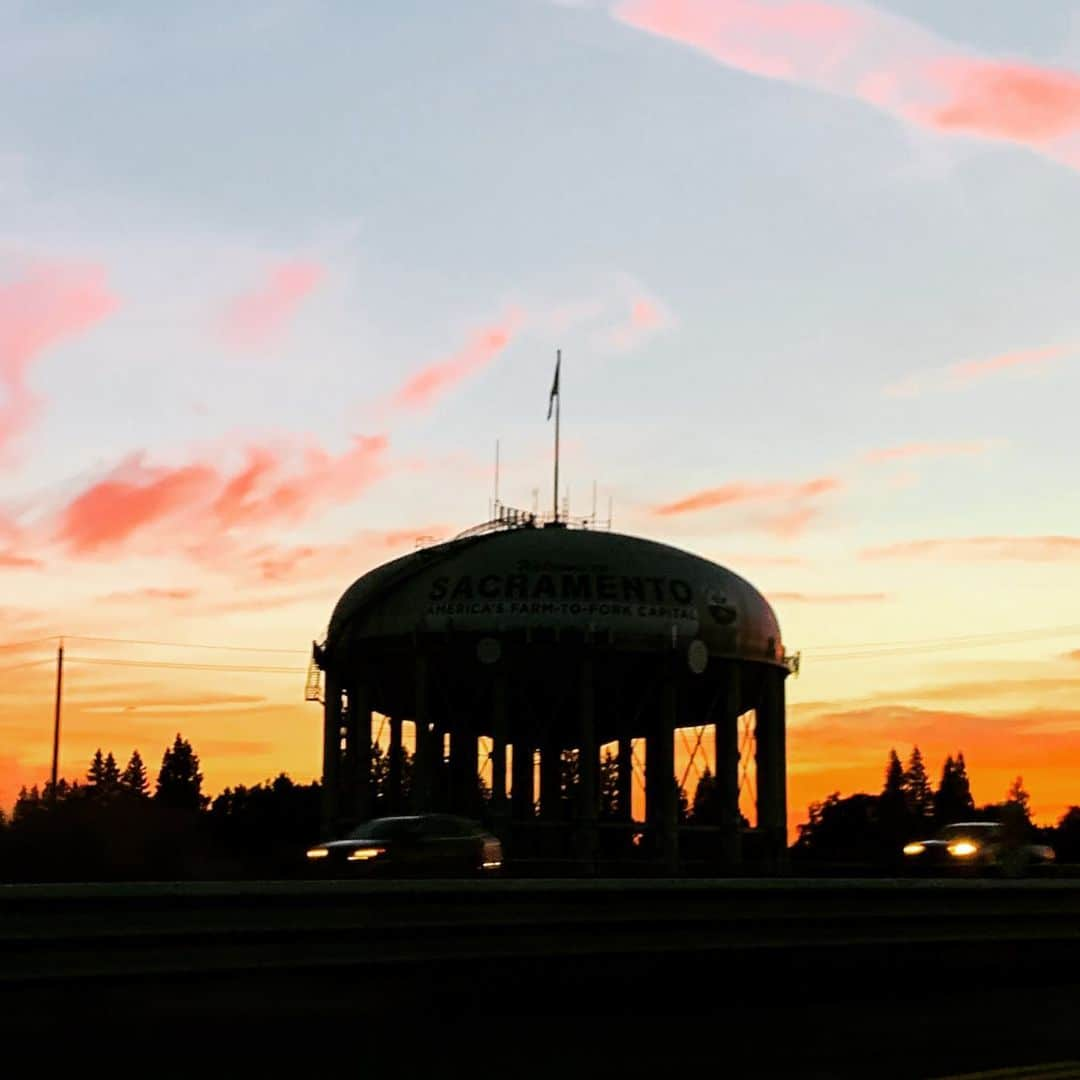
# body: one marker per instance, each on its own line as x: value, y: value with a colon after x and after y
x: 318, y: 852
x: 362, y: 854
x: 963, y: 848
x: 914, y: 849
x: 491, y: 859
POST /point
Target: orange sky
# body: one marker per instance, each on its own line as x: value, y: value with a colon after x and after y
x: 1011, y: 708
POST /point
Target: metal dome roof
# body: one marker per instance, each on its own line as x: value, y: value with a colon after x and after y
x: 638, y: 592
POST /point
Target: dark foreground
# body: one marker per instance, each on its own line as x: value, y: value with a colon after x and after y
x: 799, y: 978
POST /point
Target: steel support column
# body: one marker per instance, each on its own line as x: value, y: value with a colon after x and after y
x: 394, y: 771
x: 625, y: 775
x: 425, y: 749
x: 588, y: 764
x: 331, y: 774
x: 358, y: 779
x: 667, y: 791
x: 550, y: 778
x: 771, y: 762
x: 498, y: 755
x: 727, y: 767
x: 464, y: 769
x: 522, y: 794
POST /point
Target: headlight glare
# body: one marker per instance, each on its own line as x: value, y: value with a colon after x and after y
x: 914, y: 849
x: 963, y: 848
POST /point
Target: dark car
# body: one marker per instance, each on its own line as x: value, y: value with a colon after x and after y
x: 976, y: 846
x: 420, y: 845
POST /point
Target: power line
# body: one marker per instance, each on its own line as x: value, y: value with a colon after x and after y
x: 27, y: 644
x: 185, y: 645
x: 27, y: 664
x: 180, y: 665
x: 886, y: 648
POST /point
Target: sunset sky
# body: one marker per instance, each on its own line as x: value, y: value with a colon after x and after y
x: 274, y: 276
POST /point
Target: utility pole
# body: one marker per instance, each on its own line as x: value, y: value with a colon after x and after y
x: 56, y: 717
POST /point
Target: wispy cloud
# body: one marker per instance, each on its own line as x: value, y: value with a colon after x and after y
x: 255, y: 318
x: 422, y: 389
x: 150, y: 594
x: 645, y: 317
x: 960, y: 375
x: 889, y: 62
x: 52, y: 302
x: 733, y: 494
x: 907, y: 451
x: 983, y: 548
x: 278, y: 485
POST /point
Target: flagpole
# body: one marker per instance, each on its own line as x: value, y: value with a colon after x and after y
x: 558, y: 402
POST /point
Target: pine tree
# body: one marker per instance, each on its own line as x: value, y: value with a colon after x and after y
x: 133, y: 780
x: 953, y: 800
x: 918, y: 794
x: 95, y: 775
x: 1019, y: 798
x: 894, y: 820
x: 110, y: 781
x: 179, y: 782
x: 894, y: 778
x: 706, y: 806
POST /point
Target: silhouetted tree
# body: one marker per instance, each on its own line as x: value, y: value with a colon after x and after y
x: 1019, y: 798
x: 133, y: 780
x: 843, y: 830
x: 894, y: 778
x: 953, y: 801
x: 918, y: 794
x: 893, y: 816
x: 706, y: 809
x: 682, y: 802
x: 95, y: 775
x: 1067, y: 836
x: 179, y: 782
x: 609, y: 787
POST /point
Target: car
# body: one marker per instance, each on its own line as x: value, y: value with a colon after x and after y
x: 416, y: 845
x: 974, y: 847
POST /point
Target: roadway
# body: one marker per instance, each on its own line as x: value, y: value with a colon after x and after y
x: 808, y: 977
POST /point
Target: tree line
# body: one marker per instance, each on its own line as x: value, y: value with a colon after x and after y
x: 114, y: 823
x: 867, y: 828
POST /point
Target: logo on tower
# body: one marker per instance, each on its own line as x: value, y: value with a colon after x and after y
x: 720, y: 608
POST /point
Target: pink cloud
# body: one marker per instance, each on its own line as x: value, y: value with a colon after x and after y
x: 972, y: 370
x: 852, y: 50
x: 1018, y: 102
x: 255, y: 318
x: 312, y: 562
x: 51, y: 303
x: 12, y: 560
x: 421, y: 390
x: 133, y: 496
x: 788, y: 524
x: 734, y: 494
x: 151, y: 594
x: 922, y: 450
x: 963, y: 374
x: 645, y: 317
x: 276, y: 485
x: 989, y: 548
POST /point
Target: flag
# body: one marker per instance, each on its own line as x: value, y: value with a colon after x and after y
x: 555, y: 384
